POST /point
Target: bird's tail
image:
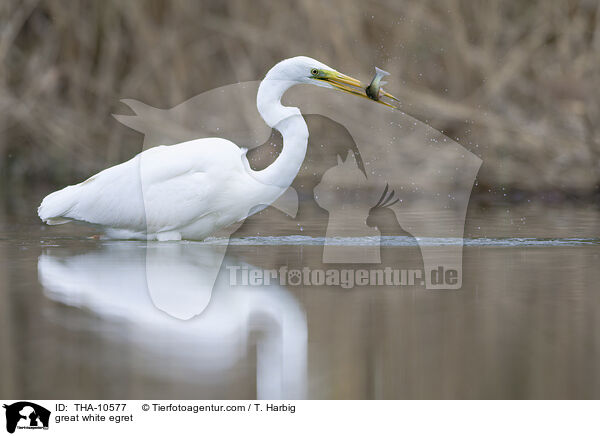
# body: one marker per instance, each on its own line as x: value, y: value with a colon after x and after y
x: 55, y: 207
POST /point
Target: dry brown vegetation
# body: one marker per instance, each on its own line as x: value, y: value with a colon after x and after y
x: 515, y: 81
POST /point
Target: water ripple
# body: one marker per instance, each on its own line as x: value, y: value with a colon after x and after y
x: 403, y: 241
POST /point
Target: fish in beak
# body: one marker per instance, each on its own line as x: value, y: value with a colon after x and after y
x: 375, y: 91
x: 354, y: 86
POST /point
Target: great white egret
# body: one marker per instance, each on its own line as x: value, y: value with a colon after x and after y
x: 192, y: 189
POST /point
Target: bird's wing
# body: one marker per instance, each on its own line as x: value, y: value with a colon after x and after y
x: 185, y: 182
x: 161, y: 188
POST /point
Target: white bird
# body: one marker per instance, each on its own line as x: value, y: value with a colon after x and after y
x: 192, y: 189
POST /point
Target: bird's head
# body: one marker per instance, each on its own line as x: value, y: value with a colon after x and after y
x: 302, y: 69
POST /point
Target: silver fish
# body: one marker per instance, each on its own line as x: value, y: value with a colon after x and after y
x: 374, y: 89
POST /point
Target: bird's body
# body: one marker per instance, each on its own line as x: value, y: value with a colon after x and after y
x: 192, y: 189
x: 183, y: 191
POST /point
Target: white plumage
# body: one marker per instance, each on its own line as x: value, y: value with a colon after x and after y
x: 166, y: 192
x: 192, y: 189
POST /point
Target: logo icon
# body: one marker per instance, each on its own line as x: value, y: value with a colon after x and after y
x: 26, y: 415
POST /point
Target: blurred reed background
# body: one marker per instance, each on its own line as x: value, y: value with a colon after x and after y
x: 515, y: 82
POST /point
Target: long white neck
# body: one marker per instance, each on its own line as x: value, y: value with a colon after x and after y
x: 290, y: 123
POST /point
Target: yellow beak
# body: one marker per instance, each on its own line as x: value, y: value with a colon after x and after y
x: 353, y: 86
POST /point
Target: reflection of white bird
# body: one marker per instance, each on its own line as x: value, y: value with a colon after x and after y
x: 192, y: 189
x: 115, y: 283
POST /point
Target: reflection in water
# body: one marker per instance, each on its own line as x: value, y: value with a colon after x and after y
x: 524, y: 324
x: 129, y: 282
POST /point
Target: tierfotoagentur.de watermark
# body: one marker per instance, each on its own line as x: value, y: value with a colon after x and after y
x: 344, y: 278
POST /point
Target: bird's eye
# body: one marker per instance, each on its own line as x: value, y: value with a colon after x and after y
x: 314, y: 72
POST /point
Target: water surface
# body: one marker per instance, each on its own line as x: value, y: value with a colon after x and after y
x: 86, y: 318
